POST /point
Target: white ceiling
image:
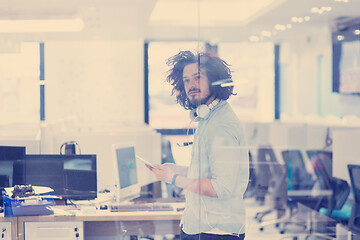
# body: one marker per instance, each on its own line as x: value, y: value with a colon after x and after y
x: 129, y: 19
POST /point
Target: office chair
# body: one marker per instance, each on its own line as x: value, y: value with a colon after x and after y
x: 340, y: 189
x: 298, y: 177
x: 262, y: 175
x: 330, y: 206
x: 325, y: 157
x: 276, y: 177
x: 294, y: 179
x: 251, y: 187
x: 294, y: 176
x: 354, y: 221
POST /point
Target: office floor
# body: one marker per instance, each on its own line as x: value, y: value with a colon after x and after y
x: 269, y: 232
x: 252, y: 228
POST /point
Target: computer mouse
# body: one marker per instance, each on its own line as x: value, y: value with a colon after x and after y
x: 104, y: 191
x: 103, y: 207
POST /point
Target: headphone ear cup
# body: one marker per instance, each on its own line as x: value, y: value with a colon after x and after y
x: 202, y: 111
x: 193, y: 116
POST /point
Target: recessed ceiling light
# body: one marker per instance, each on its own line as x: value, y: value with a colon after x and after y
x: 254, y: 38
x: 280, y: 27
x: 327, y: 9
x: 314, y: 10
x: 357, y: 32
x: 340, y: 37
x: 307, y: 18
x: 266, y: 33
x: 289, y: 25
x: 294, y: 19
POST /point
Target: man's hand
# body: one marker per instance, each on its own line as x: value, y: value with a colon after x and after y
x: 164, y: 172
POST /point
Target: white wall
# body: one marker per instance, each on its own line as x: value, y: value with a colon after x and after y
x: 345, y: 151
x: 19, y: 82
x: 95, y: 81
x: 306, y: 75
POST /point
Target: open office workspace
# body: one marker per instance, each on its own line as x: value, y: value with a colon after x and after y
x: 96, y: 141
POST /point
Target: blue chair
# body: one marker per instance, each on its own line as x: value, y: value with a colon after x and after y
x: 333, y: 206
x: 354, y: 221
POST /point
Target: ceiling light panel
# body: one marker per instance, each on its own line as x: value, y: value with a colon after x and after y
x: 207, y: 13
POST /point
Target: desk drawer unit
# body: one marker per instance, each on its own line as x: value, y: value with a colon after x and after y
x: 5, y: 230
x: 54, y: 230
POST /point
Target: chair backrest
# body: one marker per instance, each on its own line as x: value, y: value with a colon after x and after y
x: 277, y: 178
x: 263, y: 172
x: 322, y: 165
x: 341, y: 191
x: 354, y: 221
x: 325, y: 157
x: 354, y: 173
x: 251, y: 187
x: 298, y: 177
x: 268, y: 156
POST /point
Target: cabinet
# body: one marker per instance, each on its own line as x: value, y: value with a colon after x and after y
x: 5, y: 230
x: 54, y: 230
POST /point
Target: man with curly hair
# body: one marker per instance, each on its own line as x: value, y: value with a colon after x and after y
x: 218, y: 174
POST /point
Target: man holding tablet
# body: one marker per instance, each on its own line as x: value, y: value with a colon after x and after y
x: 218, y: 174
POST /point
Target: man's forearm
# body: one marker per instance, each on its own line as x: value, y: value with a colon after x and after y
x: 181, y: 170
x: 200, y: 186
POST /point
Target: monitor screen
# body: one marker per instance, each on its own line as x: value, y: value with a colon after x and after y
x: 71, y: 176
x: 45, y: 172
x: 10, y: 157
x: 126, y: 176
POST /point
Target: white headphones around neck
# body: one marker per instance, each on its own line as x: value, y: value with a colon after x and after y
x: 202, y: 111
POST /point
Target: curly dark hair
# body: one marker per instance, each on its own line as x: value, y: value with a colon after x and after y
x: 216, y: 70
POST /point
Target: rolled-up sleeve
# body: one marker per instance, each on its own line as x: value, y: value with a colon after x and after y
x: 229, y: 161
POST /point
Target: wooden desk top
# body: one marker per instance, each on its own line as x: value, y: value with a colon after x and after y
x: 107, y: 215
x: 102, y: 215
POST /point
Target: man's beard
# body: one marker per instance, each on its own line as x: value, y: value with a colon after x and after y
x: 194, y: 104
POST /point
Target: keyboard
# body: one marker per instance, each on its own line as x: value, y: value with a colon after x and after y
x: 67, y: 207
x: 140, y: 207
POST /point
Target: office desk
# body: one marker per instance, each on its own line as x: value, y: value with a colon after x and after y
x: 106, y: 223
x: 316, y: 224
x: 310, y: 193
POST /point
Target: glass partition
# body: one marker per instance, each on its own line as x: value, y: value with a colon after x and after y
x: 191, y: 88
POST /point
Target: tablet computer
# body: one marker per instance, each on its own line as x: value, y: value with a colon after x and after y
x: 146, y: 162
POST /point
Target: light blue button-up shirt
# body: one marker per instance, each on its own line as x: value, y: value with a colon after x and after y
x: 219, y: 153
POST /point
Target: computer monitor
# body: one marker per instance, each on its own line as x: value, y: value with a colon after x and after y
x: 126, y: 176
x: 10, y: 156
x: 72, y: 177
x: 45, y: 172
